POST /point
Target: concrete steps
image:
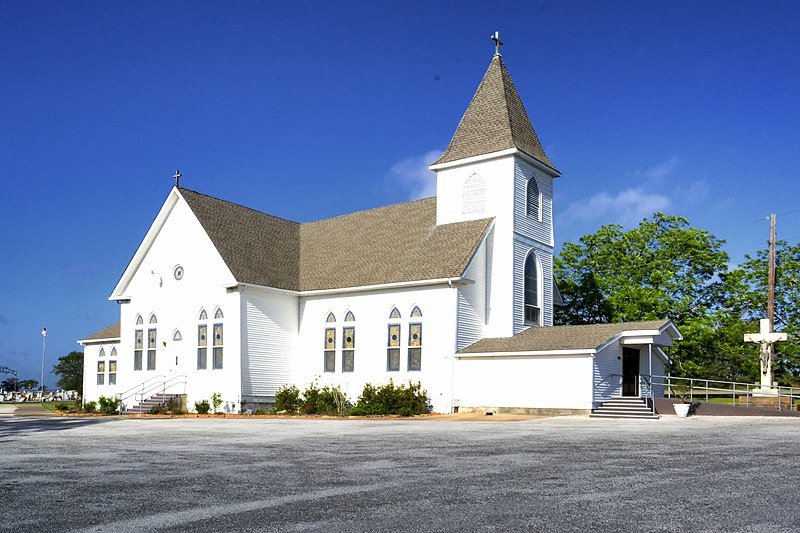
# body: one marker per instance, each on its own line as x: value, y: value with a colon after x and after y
x: 625, y: 407
x: 153, y: 401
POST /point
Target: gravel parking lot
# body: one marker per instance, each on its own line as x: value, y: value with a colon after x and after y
x: 558, y: 474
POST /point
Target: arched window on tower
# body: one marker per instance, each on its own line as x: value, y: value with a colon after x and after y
x: 531, y: 293
x: 534, y: 200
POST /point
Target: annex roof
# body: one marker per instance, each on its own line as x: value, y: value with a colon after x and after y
x: 495, y: 120
x: 109, y: 333
x: 392, y: 244
x: 582, y: 337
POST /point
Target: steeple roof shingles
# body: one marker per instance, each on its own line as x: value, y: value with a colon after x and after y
x: 495, y: 120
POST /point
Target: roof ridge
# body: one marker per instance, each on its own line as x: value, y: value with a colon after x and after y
x: 429, y: 198
x: 182, y: 189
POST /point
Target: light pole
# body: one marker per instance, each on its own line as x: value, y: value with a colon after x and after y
x: 44, y: 345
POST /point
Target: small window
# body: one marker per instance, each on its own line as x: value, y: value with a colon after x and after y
x: 153, y: 319
x: 101, y: 353
x: 151, y: 349
x: 414, y: 347
x: 331, y: 318
x: 218, y: 314
x: 349, y: 317
x: 330, y: 350
x: 101, y: 372
x: 393, y: 349
x: 177, y: 335
x: 473, y: 195
x: 217, y: 363
x: 348, y: 349
x: 137, y: 349
x: 139, y: 320
x: 533, y: 203
x: 203, y: 315
x: 202, y: 347
x: 112, y: 372
x: 395, y: 313
x: 416, y: 313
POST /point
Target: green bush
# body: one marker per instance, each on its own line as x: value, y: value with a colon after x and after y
x: 216, y: 401
x: 69, y: 407
x: 259, y: 412
x: 405, y: 400
x: 287, y: 399
x: 332, y: 401
x: 110, y: 405
x: 158, y: 410
x: 202, y: 407
x: 90, y: 407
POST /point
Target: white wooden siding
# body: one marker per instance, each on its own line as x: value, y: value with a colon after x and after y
x: 607, y: 363
x: 268, y: 341
x: 471, y: 302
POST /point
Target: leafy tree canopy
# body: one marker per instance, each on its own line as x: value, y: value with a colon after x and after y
x: 70, y: 371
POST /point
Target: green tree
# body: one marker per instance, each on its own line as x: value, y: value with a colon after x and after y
x: 662, y: 268
x: 10, y: 384
x: 70, y: 371
x: 28, y: 385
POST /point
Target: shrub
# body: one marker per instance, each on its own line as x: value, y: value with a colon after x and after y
x: 259, y: 412
x: 390, y: 400
x: 202, y: 407
x: 158, y: 410
x: 90, y: 407
x: 216, y: 401
x: 287, y: 399
x: 110, y: 405
x: 332, y: 401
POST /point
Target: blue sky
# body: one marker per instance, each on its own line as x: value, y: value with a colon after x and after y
x: 307, y: 110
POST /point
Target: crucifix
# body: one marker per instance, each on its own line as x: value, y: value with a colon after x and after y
x: 497, y: 43
x: 177, y: 178
x: 767, y: 339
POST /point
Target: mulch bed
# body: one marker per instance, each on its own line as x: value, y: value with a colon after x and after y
x: 664, y: 407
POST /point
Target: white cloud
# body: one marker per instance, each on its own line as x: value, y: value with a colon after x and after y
x: 627, y: 207
x: 413, y: 175
x: 662, y: 170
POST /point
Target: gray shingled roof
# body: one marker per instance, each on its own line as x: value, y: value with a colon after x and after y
x: 111, y: 332
x: 583, y: 337
x: 495, y: 120
x: 397, y: 243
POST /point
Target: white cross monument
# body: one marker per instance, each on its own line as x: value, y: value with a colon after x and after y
x: 767, y: 339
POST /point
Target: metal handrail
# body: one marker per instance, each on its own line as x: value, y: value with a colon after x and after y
x: 133, y: 390
x: 140, y: 394
x: 732, y: 387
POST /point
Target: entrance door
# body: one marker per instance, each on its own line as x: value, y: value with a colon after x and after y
x: 630, y: 372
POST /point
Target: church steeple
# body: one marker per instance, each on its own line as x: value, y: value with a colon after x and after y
x: 495, y: 120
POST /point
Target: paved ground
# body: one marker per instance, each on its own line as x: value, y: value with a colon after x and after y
x: 559, y: 474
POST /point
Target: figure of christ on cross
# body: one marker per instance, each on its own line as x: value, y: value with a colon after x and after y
x: 767, y: 339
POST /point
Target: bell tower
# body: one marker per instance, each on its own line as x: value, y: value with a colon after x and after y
x: 496, y: 167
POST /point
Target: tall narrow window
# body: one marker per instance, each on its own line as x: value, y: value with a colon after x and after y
x: 137, y: 349
x: 202, y: 347
x: 393, y: 349
x: 330, y: 349
x: 151, y: 349
x: 217, y: 346
x: 473, y: 195
x: 101, y: 372
x: 532, y: 309
x: 414, y: 347
x: 348, y: 349
x: 533, y: 209
x: 112, y: 367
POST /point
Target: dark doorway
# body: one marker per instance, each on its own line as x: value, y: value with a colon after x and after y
x: 630, y: 371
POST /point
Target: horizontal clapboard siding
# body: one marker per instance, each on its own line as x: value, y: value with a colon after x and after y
x: 269, y: 339
x: 522, y: 247
x: 607, y: 363
x: 528, y: 225
x: 472, y: 302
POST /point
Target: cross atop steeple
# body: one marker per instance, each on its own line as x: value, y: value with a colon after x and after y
x: 177, y: 178
x: 497, y: 43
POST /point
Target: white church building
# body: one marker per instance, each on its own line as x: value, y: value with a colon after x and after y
x: 454, y: 291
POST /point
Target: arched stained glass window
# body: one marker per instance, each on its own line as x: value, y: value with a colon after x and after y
x: 416, y: 313
x: 532, y: 309
x: 331, y: 318
x: 139, y: 320
x: 203, y: 315
x: 153, y: 319
x: 177, y: 335
x: 349, y: 317
x: 102, y: 352
x: 533, y: 208
x: 395, y: 313
x: 114, y: 352
x: 218, y: 314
